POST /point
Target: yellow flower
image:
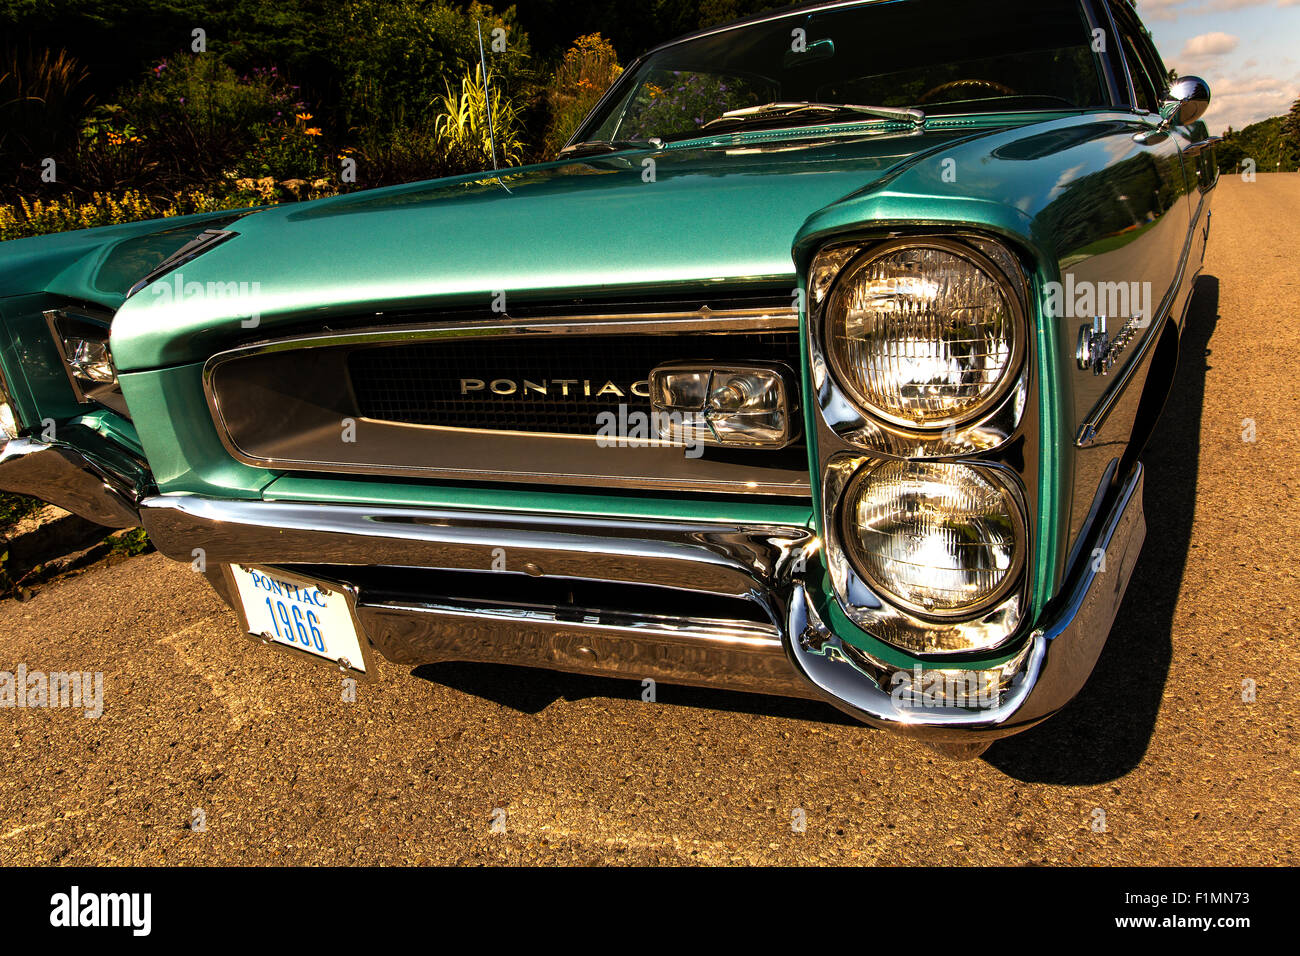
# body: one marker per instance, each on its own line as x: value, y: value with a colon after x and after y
x: 312, y: 131
x: 302, y: 117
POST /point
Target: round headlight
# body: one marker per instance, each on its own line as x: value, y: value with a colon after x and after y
x: 924, y: 334
x: 942, y: 540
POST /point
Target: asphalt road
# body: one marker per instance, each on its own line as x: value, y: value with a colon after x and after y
x: 202, y: 726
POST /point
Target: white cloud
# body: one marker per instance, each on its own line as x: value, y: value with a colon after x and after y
x: 1173, y: 9
x: 1209, y: 45
x: 1240, y: 101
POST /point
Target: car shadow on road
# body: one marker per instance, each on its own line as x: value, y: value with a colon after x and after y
x: 530, y: 690
x: 1105, y: 732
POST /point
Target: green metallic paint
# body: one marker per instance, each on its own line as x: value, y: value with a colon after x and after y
x: 595, y: 503
x: 179, y: 438
x: 98, y: 265
x: 37, y: 380
x: 718, y: 214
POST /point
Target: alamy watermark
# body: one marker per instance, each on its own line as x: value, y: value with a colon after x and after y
x: 174, y: 288
x: 634, y: 428
x: 81, y: 690
x: 921, y: 688
x: 1086, y: 300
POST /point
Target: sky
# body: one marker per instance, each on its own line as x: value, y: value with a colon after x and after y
x: 1247, y: 50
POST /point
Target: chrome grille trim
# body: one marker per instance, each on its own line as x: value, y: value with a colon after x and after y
x: 388, y: 448
x: 703, y: 319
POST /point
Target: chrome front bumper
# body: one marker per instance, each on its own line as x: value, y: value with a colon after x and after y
x: 783, y: 647
x: 744, y: 567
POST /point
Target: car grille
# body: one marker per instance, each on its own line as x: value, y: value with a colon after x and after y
x: 364, y: 400
x: 421, y: 383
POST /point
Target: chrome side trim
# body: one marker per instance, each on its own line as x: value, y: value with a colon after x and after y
x: 1061, y: 654
x: 1086, y: 436
x: 66, y: 478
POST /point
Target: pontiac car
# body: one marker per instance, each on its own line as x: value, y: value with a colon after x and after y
x: 819, y: 363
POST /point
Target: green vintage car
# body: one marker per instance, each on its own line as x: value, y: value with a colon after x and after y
x: 818, y: 364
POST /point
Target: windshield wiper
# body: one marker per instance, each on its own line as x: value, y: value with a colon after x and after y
x: 594, y: 146
x: 784, y: 110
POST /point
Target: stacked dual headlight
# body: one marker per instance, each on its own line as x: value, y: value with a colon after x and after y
x: 925, y: 338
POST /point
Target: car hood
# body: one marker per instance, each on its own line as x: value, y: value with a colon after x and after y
x: 723, y: 214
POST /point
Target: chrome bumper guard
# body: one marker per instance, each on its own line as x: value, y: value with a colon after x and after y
x: 1053, y: 667
x: 65, y: 477
x: 791, y: 653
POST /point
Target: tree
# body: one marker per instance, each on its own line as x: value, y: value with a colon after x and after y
x: 1291, y: 130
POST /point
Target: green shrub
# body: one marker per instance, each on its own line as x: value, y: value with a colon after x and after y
x: 394, y: 56
x: 461, y: 125
x: 588, y: 69
x: 195, y: 118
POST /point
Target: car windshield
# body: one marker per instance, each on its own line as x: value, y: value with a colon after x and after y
x: 941, y: 56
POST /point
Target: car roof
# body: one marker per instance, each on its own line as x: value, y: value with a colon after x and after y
x: 764, y: 17
x: 777, y: 14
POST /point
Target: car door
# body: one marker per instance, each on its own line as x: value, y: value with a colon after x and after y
x: 1195, y: 144
x: 1129, y: 280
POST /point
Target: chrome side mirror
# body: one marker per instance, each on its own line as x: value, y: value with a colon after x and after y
x: 1186, y: 102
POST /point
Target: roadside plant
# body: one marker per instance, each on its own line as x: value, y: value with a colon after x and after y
x: 588, y: 69
x: 461, y: 123
x: 197, y: 117
x: 43, y: 93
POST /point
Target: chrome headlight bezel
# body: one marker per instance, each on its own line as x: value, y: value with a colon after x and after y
x: 1001, y: 435
x: 888, y: 589
x: 76, y: 332
x: 875, y: 608
x: 848, y: 270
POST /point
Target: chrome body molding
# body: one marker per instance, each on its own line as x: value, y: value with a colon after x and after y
x: 728, y: 655
x: 752, y: 564
x: 1050, y: 669
x: 68, y: 479
x: 703, y: 319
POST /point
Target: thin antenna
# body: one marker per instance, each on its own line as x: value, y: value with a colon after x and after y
x: 487, y: 93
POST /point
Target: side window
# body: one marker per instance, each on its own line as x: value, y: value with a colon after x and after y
x: 1155, y: 66
x: 1142, y: 84
x: 1150, y: 79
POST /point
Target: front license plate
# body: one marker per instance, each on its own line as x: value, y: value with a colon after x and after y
x: 299, y: 615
